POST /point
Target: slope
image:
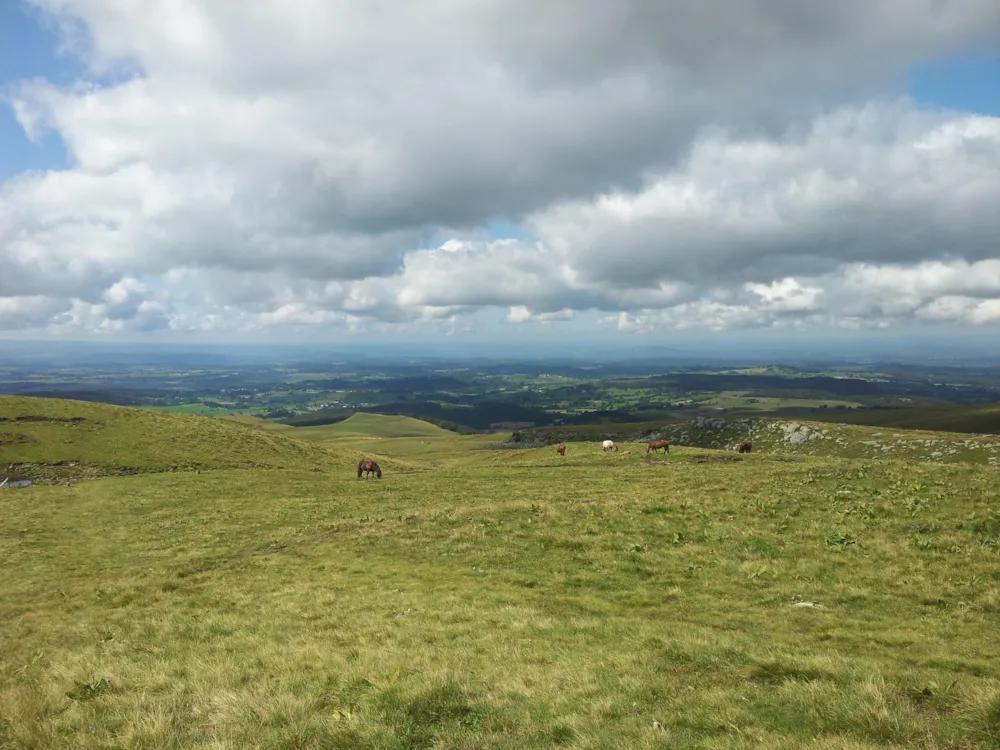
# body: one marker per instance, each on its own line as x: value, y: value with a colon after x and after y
x: 360, y: 424
x: 430, y: 447
x: 56, y: 438
x: 600, y: 601
x: 387, y: 426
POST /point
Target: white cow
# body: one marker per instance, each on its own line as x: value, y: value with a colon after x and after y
x: 609, y: 445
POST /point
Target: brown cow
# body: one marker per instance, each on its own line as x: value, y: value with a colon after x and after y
x: 655, y: 445
x: 744, y: 447
x: 561, y: 449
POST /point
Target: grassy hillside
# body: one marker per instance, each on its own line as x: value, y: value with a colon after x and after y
x: 784, y: 436
x: 431, y: 445
x: 50, y: 438
x: 324, y: 417
x: 478, y: 416
x: 505, y: 599
x: 380, y: 425
x: 358, y: 424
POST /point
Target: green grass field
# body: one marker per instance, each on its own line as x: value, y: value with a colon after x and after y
x: 479, y: 598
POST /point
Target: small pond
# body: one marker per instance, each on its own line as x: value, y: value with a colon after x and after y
x: 15, y: 483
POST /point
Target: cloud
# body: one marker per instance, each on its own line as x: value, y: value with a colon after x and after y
x: 787, y: 295
x: 521, y: 314
x: 879, y: 183
x: 28, y: 311
x: 317, y: 166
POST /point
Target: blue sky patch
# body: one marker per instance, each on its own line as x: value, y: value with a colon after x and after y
x: 966, y: 83
x: 501, y: 229
x: 29, y: 49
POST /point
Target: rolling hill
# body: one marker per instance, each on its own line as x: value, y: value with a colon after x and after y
x: 53, y: 438
x: 377, y: 425
x: 359, y: 424
x: 387, y: 437
x: 797, y: 596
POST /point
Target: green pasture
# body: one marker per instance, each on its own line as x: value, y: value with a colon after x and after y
x: 486, y: 598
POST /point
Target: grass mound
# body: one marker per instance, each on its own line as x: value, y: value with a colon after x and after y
x: 55, y: 438
x: 359, y: 425
x: 379, y: 426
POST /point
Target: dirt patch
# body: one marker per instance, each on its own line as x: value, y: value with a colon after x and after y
x: 714, y: 459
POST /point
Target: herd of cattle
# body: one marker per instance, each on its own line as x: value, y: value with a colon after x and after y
x: 369, y: 467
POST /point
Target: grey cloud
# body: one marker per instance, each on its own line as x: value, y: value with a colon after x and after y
x: 437, y: 114
x: 845, y: 193
x: 718, y: 39
x: 285, y: 167
x: 125, y: 306
x: 28, y: 311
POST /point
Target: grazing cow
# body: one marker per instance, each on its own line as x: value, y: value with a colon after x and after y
x: 561, y: 449
x: 369, y: 467
x: 609, y: 445
x: 744, y: 447
x: 655, y: 445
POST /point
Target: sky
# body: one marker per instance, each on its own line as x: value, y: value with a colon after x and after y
x: 319, y: 171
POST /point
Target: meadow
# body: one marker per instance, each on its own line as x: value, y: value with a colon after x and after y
x: 483, y: 598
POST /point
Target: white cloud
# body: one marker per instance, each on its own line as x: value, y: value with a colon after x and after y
x: 17, y: 312
x: 521, y: 314
x: 676, y: 167
x: 882, y: 183
x: 963, y: 309
x: 787, y: 295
